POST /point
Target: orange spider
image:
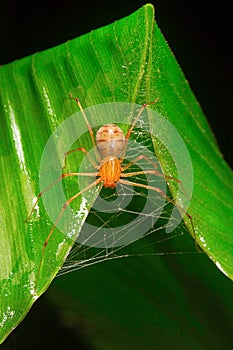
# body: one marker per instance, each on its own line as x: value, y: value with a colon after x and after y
x: 111, y: 146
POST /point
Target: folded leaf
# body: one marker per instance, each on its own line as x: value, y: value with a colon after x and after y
x: 127, y: 61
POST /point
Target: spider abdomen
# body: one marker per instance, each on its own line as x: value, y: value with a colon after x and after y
x: 110, y: 171
x: 110, y: 140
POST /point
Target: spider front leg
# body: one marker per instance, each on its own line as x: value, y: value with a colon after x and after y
x: 88, y: 126
x: 127, y: 136
x: 138, y: 116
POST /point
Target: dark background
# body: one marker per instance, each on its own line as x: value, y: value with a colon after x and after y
x: 200, y: 35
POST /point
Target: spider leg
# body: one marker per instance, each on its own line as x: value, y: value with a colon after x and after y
x: 94, y: 183
x: 155, y: 172
x: 82, y: 149
x: 135, y: 173
x: 88, y: 126
x: 158, y: 190
x: 54, y: 183
x: 142, y: 156
x: 133, y: 125
x: 138, y: 116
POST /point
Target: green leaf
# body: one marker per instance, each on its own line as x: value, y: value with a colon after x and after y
x: 127, y: 61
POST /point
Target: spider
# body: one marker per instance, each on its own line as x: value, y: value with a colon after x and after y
x: 110, y: 146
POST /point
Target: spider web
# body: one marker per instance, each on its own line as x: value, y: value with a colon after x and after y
x: 131, y: 221
x: 122, y: 207
x: 155, y: 242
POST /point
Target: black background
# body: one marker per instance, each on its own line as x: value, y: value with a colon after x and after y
x: 200, y: 35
